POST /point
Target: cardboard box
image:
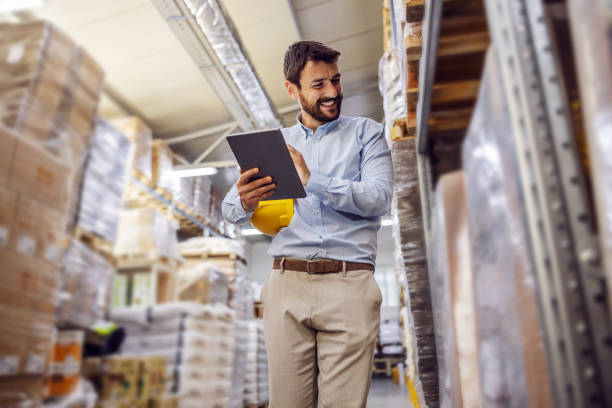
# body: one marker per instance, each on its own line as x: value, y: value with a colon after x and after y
x: 39, y: 175
x: 66, y: 365
x: 142, y: 138
x: 8, y: 209
x: 8, y: 141
x: 152, y: 376
x: 21, y: 391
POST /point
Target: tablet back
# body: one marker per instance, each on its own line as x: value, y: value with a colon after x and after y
x: 267, y: 150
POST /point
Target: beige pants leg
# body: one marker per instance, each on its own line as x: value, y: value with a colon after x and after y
x: 325, y: 324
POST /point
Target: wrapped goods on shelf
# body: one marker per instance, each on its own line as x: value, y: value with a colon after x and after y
x: 50, y: 88
x: 24, y: 391
x: 238, y: 364
x: 202, y: 283
x: 452, y: 283
x: 212, y: 246
x: 86, y: 284
x: 256, y: 386
x: 162, y: 161
x: 140, y: 153
x: 409, y: 237
x: 512, y: 358
x: 196, y: 340
x: 392, y: 87
x: 390, y: 333
x: 182, y: 191
x: 201, y: 196
x: 590, y: 22
x: 103, y: 182
x: 241, y: 296
x: 146, y: 232
x: 145, y: 282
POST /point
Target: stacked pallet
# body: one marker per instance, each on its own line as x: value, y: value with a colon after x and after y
x: 196, y: 342
x: 409, y: 236
x: 256, y: 389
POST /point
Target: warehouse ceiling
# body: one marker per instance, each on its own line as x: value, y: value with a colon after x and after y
x: 149, y: 72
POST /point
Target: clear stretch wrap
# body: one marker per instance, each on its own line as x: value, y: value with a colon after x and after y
x: 182, y: 191
x: 591, y: 25
x: 146, y: 231
x: 452, y: 283
x: 141, y: 150
x: 103, y: 182
x: 201, y: 197
x: 163, y: 176
x: 85, y: 288
x: 408, y: 233
x: 197, y: 342
x: 256, y: 386
x: 392, y: 87
x: 511, y: 351
x: 202, y: 283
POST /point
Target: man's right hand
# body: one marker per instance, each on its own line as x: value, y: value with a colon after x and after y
x: 251, y: 193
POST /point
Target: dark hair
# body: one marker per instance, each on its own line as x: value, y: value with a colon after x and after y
x: 299, y: 53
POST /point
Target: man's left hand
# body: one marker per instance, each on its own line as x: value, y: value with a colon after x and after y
x: 300, y: 165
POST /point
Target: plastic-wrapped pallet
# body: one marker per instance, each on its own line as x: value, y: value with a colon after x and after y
x: 146, y: 231
x: 256, y: 386
x: 452, y: 284
x: 85, y: 287
x: 33, y: 221
x: 142, y: 144
x: 510, y: 346
x: 410, y: 241
x: 238, y: 364
x: 103, y: 182
x: 202, y: 283
x: 182, y: 191
x: 201, y: 196
x: 392, y: 88
x: 212, y: 246
x: 591, y: 24
x: 163, y: 176
x: 197, y: 342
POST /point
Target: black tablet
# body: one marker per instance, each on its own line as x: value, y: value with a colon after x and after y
x: 268, y: 151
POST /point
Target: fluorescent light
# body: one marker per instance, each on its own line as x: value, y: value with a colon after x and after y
x: 386, y: 222
x: 250, y: 231
x: 7, y: 6
x: 195, y: 171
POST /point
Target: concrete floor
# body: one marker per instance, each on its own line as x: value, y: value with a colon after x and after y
x: 386, y: 394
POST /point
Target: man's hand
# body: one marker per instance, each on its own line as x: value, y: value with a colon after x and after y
x: 300, y: 165
x: 251, y: 193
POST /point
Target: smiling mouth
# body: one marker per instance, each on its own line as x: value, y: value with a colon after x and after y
x: 329, y: 104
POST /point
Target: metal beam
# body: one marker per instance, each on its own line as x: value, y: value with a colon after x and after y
x: 217, y: 164
x: 214, y: 145
x: 200, y: 133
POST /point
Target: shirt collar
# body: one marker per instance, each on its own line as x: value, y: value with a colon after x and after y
x: 326, y: 127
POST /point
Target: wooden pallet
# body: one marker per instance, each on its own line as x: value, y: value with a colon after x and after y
x: 135, y: 173
x: 214, y: 256
x: 128, y: 261
x: 99, y: 245
x: 258, y: 310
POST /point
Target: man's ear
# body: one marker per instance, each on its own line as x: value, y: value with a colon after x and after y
x: 292, y: 90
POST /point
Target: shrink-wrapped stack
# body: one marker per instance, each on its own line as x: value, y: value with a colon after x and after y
x: 201, y: 196
x: 256, y: 386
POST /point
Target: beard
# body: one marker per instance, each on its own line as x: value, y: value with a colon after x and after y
x: 316, y: 112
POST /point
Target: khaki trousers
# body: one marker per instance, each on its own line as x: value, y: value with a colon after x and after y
x: 320, y: 333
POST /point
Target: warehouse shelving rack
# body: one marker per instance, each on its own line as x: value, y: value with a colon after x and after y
x: 565, y: 252
x: 207, y: 231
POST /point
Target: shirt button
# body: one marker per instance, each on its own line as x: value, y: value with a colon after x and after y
x: 320, y: 236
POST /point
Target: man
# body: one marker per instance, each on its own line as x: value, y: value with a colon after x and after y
x: 321, y: 302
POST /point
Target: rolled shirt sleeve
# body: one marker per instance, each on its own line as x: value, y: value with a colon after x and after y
x: 368, y: 197
x: 232, y: 209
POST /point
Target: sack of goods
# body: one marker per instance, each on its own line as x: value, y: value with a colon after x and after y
x: 197, y: 342
x: 239, y: 362
x: 256, y: 387
x: 202, y: 283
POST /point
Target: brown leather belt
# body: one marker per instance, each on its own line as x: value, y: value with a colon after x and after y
x: 320, y: 266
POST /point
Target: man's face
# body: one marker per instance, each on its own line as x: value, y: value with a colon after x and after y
x: 321, y: 93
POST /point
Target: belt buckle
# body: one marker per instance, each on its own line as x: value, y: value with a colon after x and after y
x: 308, y: 267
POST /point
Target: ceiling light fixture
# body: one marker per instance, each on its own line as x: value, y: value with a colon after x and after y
x: 9, y: 6
x: 195, y: 171
x: 250, y: 231
x: 214, y: 26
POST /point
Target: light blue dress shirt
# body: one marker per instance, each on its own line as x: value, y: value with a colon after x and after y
x: 350, y: 188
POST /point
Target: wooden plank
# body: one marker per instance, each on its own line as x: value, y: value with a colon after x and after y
x: 447, y: 93
x: 442, y: 121
x: 458, y: 43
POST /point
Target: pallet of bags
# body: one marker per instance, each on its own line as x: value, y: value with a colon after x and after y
x: 239, y: 362
x: 197, y: 342
x: 202, y: 187
x: 256, y: 385
x: 202, y: 283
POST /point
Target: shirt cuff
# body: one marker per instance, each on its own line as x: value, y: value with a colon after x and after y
x: 317, y: 184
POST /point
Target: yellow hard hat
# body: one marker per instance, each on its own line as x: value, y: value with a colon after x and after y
x: 272, y: 215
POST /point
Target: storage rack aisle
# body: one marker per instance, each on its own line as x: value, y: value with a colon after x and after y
x: 535, y: 241
x: 94, y: 226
